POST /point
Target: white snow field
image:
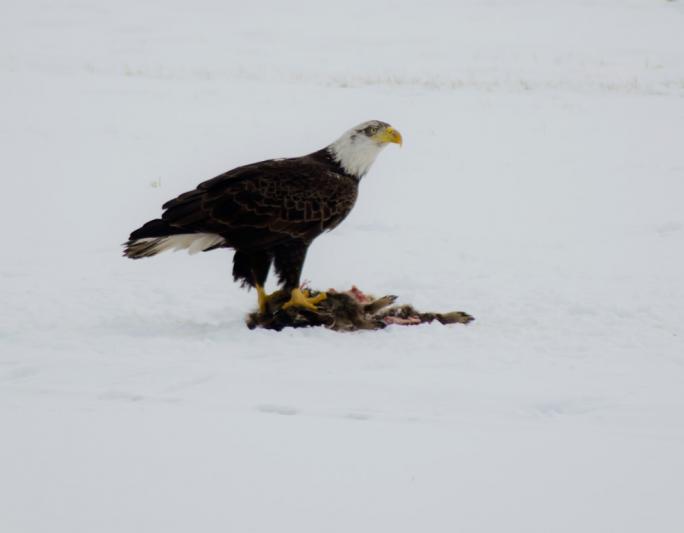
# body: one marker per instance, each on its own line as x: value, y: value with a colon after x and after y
x: 540, y: 188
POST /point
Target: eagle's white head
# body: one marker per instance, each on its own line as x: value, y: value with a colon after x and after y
x: 356, y: 150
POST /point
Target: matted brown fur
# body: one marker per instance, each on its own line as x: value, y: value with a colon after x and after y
x: 347, y: 311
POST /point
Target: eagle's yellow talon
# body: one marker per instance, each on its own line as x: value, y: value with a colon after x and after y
x: 318, y: 298
x: 301, y: 298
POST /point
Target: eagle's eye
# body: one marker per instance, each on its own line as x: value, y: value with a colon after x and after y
x: 371, y: 130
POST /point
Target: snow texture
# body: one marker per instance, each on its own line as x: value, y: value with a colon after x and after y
x: 540, y: 188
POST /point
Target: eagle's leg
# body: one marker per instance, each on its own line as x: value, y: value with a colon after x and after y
x: 262, y: 298
x: 289, y: 260
x: 252, y: 269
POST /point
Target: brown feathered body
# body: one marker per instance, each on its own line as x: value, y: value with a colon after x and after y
x: 268, y: 212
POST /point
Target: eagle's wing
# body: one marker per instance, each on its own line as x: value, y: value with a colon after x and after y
x: 266, y: 203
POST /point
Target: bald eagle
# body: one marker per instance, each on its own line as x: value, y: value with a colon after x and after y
x: 269, y: 212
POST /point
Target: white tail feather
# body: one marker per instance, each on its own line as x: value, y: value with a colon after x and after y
x: 192, y: 242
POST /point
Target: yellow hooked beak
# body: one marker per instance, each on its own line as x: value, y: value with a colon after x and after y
x: 389, y: 135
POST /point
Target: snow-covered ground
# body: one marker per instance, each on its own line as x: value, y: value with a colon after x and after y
x: 540, y: 188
